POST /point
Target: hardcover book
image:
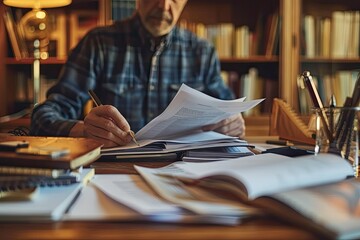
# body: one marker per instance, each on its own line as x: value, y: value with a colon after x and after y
x: 50, y: 152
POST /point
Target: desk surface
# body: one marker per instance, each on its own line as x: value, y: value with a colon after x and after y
x: 250, y: 229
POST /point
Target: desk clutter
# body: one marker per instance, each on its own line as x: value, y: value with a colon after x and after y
x: 229, y: 192
x: 39, y: 176
x: 213, y: 178
x: 303, y: 189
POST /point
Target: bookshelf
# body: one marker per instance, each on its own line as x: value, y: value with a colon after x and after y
x: 329, y: 46
x: 277, y: 64
x: 248, y: 46
x: 16, y: 74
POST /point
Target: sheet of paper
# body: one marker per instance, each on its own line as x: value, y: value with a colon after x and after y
x: 124, y: 190
x: 198, y: 139
x: 189, y: 111
x: 194, y: 199
x: 195, y: 137
x: 94, y: 204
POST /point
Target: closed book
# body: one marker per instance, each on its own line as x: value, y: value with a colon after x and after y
x: 79, y: 152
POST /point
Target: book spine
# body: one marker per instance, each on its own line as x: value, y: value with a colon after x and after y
x: 8, y: 183
x: 31, y: 171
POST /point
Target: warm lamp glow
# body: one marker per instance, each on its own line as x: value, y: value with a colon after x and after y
x: 37, y: 3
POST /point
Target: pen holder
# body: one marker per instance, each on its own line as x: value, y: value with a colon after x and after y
x: 337, y: 131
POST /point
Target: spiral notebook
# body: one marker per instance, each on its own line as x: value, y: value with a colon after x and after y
x: 49, y: 203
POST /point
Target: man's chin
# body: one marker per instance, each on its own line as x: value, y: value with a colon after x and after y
x: 158, y: 31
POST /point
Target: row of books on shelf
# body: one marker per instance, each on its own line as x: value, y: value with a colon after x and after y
x: 240, y: 41
x: 336, y: 36
x: 64, y: 30
x: 253, y: 86
x: 340, y: 84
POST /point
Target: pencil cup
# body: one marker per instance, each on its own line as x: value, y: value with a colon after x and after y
x: 337, y: 131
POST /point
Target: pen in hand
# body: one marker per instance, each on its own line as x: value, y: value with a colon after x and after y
x: 97, y: 103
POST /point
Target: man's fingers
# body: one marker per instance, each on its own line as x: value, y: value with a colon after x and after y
x: 107, y: 124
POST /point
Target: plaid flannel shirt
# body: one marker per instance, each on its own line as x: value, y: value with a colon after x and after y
x: 125, y: 69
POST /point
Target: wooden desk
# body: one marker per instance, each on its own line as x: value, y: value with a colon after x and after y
x: 250, y: 229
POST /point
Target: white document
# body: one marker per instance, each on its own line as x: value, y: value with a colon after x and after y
x: 48, y: 205
x: 128, y: 198
x: 189, y: 111
x: 123, y: 189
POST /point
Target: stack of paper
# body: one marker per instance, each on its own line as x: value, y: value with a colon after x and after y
x: 179, y: 127
x: 129, y: 198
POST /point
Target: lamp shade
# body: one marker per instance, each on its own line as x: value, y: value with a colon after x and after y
x: 37, y: 3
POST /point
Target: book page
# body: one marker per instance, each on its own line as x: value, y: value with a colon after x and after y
x: 266, y: 174
x: 192, y: 198
x: 335, y: 208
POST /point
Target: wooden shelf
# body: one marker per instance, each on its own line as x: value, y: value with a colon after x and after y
x: 26, y: 61
x: 253, y: 59
x: 330, y: 60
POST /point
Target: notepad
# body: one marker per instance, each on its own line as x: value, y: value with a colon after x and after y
x: 49, y: 204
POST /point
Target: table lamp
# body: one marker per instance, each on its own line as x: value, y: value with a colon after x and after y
x: 35, y: 28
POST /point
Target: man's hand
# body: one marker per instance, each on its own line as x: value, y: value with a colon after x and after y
x: 106, y: 125
x: 232, y: 126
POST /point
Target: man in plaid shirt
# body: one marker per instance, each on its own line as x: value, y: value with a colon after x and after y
x: 135, y: 67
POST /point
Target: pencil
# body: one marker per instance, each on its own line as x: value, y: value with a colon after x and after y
x: 97, y: 103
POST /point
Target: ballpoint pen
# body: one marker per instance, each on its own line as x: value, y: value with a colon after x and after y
x: 97, y: 102
x: 314, y: 95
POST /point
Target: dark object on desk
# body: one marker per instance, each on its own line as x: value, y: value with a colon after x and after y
x: 279, y: 142
x: 82, y: 151
x: 11, y: 146
x: 291, y: 151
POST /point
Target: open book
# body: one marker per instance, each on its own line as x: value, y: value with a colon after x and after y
x: 179, y: 127
x: 310, y: 190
